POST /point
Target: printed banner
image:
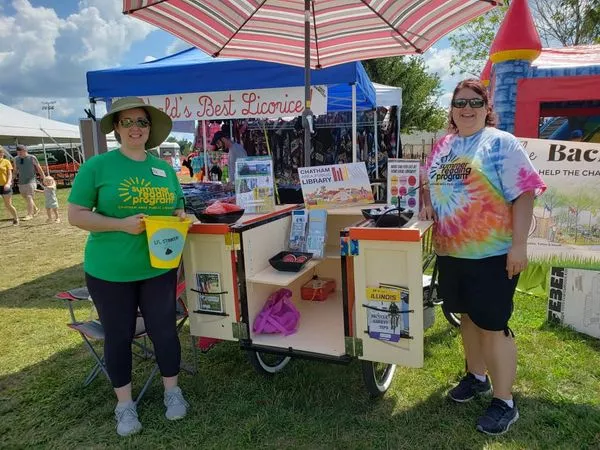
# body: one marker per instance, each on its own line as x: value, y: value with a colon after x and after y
x: 250, y: 103
x: 566, y: 225
x: 574, y: 299
x: 254, y: 184
x: 403, y: 183
x: 336, y: 185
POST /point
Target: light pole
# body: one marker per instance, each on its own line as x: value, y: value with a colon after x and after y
x: 48, y: 106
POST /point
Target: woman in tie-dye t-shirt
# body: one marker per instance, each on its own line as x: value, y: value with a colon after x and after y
x: 480, y: 194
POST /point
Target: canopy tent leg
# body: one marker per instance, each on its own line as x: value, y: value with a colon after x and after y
x: 354, y: 156
x: 204, y: 145
x: 94, y: 130
x: 398, y: 132
x: 45, y: 157
x: 375, y: 143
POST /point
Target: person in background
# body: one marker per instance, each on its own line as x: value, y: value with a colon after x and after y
x: 480, y: 189
x: 51, y: 200
x: 576, y: 136
x: 26, y: 166
x: 222, y: 142
x: 6, y: 183
x: 112, y: 194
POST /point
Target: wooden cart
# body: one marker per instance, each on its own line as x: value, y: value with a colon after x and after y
x: 357, y: 256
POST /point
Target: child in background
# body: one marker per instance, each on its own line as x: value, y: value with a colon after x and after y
x: 51, y: 200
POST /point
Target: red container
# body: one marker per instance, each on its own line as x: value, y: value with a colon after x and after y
x: 317, y: 289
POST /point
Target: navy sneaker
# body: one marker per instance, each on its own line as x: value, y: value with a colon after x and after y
x: 468, y: 387
x: 498, y: 418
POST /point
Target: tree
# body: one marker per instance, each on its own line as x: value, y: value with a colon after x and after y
x: 559, y: 22
x: 420, y: 91
x: 185, y: 146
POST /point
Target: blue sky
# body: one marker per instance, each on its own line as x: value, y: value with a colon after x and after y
x: 47, y: 46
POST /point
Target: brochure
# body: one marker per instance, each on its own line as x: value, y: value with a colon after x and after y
x: 208, y: 285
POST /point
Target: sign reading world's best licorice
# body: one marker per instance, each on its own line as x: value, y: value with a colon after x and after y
x: 335, y: 186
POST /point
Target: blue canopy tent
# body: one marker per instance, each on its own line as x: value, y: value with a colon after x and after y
x: 189, y: 71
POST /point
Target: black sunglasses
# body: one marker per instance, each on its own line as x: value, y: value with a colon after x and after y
x: 473, y: 102
x: 128, y: 123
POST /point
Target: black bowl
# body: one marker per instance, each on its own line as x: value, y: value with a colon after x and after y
x: 392, y: 218
x: 279, y: 264
x: 230, y: 217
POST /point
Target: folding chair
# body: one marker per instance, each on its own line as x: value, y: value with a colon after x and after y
x: 91, y: 330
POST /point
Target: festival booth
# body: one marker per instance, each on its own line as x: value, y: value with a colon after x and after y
x: 330, y: 282
x: 186, y: 86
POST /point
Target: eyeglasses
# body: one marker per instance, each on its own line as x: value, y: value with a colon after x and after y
x: 473, y: 102
x: 128, y: 123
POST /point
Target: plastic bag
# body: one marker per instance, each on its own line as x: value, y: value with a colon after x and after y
x: 278, y: 315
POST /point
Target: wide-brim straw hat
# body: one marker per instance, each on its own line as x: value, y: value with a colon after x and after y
x: 160, y: 123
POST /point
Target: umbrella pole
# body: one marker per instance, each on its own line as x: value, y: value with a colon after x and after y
x: 307, y: 114
x: 354, y: 131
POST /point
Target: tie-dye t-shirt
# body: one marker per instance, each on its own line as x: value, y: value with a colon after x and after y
x: 473, y: 181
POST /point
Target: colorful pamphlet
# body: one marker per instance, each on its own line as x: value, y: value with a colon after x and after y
x: 317, y: 232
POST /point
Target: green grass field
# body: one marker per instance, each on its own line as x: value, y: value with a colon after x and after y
x: 310, y: 405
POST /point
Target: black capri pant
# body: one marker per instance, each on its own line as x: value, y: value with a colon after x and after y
x: 117, y: 304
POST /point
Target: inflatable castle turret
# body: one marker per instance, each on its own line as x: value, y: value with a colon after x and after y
x: 516, y: 45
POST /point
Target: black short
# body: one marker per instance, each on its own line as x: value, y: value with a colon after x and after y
x: 5, y: 191
x: 479, y: 288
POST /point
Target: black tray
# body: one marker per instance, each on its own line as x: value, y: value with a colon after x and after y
x: 392, y: 218
x: 229, y: 217
x: 278, y: 263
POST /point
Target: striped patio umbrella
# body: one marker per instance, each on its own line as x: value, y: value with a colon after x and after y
x: 308, y: 33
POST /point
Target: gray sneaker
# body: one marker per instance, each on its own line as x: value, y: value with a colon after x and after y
x: 176, y: 404
x: 127, y: 419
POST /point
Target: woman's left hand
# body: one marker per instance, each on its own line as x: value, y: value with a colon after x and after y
x: 180, y: 213
x: 516, y: 261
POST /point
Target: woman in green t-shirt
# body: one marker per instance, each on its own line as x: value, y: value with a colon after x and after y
x: 111, y: 195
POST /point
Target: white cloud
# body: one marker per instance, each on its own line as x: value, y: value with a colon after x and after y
x: 45, y: 57
x: 149, y: 58
x: 437, y: 61
x: 176, y: 46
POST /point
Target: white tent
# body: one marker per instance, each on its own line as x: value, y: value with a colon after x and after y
x: 23, y: 128
x: 387, y: 96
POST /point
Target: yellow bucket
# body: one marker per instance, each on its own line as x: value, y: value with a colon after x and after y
x: 166, y: 238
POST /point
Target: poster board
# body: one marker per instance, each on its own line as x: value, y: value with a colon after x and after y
x: 566, y: 225
x: 403, y: 183
x: 335, y: 185
x: 574, y: 299
x: 254, y: 184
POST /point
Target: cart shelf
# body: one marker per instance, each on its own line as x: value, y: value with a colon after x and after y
x: 321, y: 328
x: 277, y: 278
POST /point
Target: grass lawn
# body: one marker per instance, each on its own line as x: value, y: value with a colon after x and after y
x: 309, y: 405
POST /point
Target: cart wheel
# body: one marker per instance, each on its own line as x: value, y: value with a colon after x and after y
x: 451, y: 317
x: 267, y: 364
x: 377, y: 376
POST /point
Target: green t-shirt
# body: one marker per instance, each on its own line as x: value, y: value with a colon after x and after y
x: 117, y: 186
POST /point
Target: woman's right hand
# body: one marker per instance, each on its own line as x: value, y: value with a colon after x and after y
x: 133, y: 224
x: 427, y: 213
